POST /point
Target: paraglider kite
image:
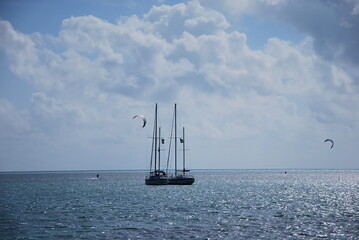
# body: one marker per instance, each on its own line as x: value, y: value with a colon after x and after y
x: 143, y: 118
x: 330, y: 140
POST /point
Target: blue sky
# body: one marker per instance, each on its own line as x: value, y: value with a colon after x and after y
x: 259, y: 84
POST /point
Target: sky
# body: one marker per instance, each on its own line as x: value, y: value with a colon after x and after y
x: 259, y: 84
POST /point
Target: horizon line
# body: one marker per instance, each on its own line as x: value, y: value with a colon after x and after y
x: 195, y: 169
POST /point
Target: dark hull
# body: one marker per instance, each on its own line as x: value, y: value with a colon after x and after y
x: 181, y: 181
x: 156, y: 180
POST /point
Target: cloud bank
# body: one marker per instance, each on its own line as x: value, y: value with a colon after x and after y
x: 332, y: 25
x: 243, y: 108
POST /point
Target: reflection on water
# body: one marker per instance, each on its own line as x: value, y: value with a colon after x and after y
x: 252, y: 204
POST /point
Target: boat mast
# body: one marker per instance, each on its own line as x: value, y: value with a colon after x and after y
x: 155, y: 139
x: 159, y: 149
x: 152, y: 150
x: 175, y: 139
x: 184, y: 149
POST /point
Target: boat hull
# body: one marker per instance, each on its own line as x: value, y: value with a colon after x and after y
x: 181, y: 180
x: 156, y: 180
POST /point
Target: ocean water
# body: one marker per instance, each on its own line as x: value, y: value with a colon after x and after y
x: 222, y: 204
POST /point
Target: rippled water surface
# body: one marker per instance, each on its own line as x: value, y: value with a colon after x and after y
x: 235, y: 204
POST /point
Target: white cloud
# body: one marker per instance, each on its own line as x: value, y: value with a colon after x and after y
x: 20, y: 49
x: 332, y: 25
x: 13, y: 123
x: 95, y: 76
x: 171, y: 21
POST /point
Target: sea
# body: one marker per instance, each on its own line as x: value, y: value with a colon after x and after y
x: 221, y: 204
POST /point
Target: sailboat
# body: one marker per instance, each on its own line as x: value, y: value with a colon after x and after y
x: 156, y: 175
x: 180, y: 177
